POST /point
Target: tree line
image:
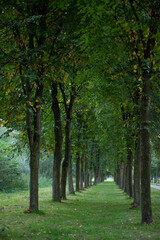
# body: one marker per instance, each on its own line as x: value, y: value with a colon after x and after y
x: 79, y: 75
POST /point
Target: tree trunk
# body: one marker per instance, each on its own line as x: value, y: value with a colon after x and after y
x: 101, y: 175
x: 34, y: 140
x: 97, y: 167
x: 90, y: 177
x: 66, y: 159
x: 145, y: 150
x: 34, y: 162
x: 91, y: 165
x: 118, y: 178
x: 86, y: 172
x: 77, y: 170
x: 121, y: 176
x: 33, y: 121
x: 82, y: 172
x: 156, y: 174
x: 96, y: 175
x: 63, y: 180
x: 34, y: 165
x: 56, y: 197
x: 70, y: 178
x: 137, y: 173
x: 129, y: 172
x: 125, y: 178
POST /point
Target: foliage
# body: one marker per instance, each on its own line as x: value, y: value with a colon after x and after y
x: 10, y: 169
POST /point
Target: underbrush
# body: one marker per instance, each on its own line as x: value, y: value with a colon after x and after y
x: 22, y: 183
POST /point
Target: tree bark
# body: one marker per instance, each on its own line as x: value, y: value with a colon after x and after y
x: 125, y: 178
x: 86, y: 180
x: 121, y: 175
x: 77, y: 170
x: 34, y: 141
x: 96, y: 167
x: 129, y: 172
x: 56, y: 197
x: 90, y: 177
x: 146, y: 150
x: 67, y: 159
x: 91, y: 165
x: 70, y: 178
x: 34, y: 162
x: 137, y: 198
x: 82, y: 172
x: 95, y: 176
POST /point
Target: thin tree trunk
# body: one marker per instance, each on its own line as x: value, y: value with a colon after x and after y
x: 82, y: 172
x: 129, y: 172
x: 63, y: 180
x: 95, y: 176
x: 56, y: 197
x: 66, y: 159
x: 86, y: 172
x: 70, y: 178
x: 91, y: 165
x: 125, y: 178
x: 77, y: 170
x: 156, y: 174
x: 96, y: 167
x: 90, y: 177
x: 34, y: 165
x: 121, y: 175
x: 137, y: 173
x: 118, y: 180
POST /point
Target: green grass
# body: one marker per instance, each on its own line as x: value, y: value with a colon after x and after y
x: 98, y: 213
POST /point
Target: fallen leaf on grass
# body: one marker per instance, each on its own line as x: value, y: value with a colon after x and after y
x: 27, y: 211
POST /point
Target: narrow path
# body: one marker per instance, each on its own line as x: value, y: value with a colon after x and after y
x: 156, y: 187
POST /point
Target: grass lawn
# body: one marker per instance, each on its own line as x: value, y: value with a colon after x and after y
x: 98, y: 213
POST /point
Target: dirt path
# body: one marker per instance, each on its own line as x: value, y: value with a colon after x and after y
x: 156, y: 187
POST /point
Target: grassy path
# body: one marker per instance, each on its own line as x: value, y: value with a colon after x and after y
x: 99, y: 213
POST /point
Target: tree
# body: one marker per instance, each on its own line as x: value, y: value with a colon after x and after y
x: 27, y: 31
x: 137, y: 26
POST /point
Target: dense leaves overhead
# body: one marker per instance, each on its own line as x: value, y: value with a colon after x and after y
x: 92, y: 63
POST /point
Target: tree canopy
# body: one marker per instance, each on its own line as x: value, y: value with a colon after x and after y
x: 80, y: 79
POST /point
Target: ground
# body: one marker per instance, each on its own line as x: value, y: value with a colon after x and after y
x: 101, y: 212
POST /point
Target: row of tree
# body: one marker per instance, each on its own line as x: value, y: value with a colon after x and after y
x: 90, y: 67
